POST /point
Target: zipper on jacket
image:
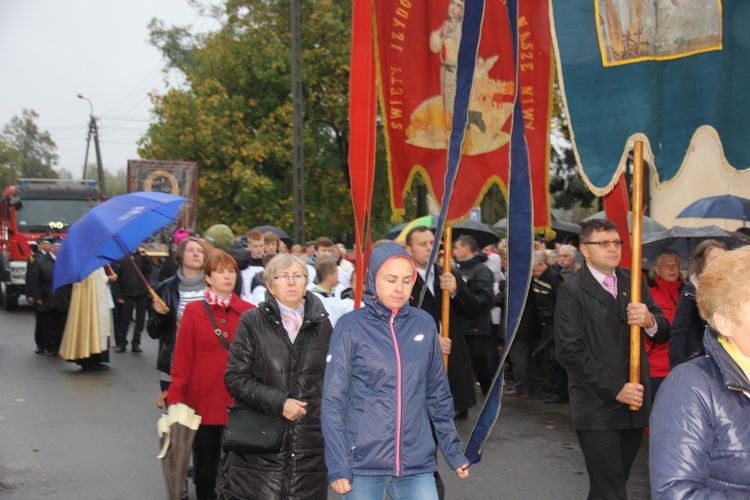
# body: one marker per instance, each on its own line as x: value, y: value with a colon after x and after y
x: 398, y: 396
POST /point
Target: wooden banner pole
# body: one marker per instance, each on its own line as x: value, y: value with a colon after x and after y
x: 635, y: 268
x: 445, y: 320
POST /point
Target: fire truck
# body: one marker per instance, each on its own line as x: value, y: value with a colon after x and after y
x: 30, y: 210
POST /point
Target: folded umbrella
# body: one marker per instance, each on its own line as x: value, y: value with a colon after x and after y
x: 176, y: 430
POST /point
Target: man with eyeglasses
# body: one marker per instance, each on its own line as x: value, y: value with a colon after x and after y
x: 593, y: 316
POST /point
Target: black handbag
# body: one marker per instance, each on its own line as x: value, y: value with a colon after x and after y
x: 251, y: 432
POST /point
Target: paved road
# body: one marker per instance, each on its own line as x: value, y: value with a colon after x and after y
x: 70, y: 435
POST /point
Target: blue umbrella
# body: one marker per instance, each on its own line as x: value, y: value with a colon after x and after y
x: 684, y: 239
x: 719, y: 207
x: 112, y: 230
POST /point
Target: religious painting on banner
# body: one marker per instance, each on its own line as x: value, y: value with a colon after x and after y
x: 417, y: 56
x: 663, y: 72
x: 639, y: 30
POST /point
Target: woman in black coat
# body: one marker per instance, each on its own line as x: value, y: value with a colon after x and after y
x: 686, y: 333
x: 266, y: 350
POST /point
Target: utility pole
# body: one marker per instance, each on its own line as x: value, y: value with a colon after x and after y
x: 298, y: 171
x: 94, y: 132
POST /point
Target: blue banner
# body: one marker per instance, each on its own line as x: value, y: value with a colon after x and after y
x: 659, y: 71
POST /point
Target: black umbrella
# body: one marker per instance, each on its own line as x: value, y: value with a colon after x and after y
x: 482, y: 233
x: 684, y: 239
x: 565, y: 231
x: 275, y: 230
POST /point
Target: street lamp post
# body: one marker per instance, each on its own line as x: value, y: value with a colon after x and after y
x: 94, y: 131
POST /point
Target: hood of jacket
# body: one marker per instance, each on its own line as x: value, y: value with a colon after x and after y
x: 380, y: 254
x: 478, y: 259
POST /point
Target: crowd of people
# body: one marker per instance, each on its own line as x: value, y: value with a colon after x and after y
x: 364, y: 392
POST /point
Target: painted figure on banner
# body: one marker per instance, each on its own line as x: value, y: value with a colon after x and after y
x: 491, y: 99
x: 638, y: 30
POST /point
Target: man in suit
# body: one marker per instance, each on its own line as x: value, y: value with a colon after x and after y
x: 592, y: 342
x: 419, y: 242
x: 32, y: 274
x: 52, y: 304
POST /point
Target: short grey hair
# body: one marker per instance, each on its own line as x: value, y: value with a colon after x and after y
x: 540, y: 257
x: 568, y: 248
x: 281, y: 262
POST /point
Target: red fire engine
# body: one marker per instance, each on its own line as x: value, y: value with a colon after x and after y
x: 30, y: 210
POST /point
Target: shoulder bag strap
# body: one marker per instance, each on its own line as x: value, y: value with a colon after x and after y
x: 217, y: 330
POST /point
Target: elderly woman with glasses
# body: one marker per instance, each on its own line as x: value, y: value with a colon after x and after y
x: 289, y: 328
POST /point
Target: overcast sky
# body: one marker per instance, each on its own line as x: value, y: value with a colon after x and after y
x: 52, y: 50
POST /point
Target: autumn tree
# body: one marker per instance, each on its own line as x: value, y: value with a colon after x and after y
x: 25, y: 151
x: 234, y: 114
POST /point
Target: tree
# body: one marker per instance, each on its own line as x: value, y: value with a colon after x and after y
x: 567, y: 188
x: 233, y: 116
x: 9, y: 162
x: 25, y: 151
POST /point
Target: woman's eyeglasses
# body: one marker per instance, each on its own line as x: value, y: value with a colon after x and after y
x: 295, y: 277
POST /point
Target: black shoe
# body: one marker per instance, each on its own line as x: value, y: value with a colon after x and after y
x: 136, y: 348
x: 95, y: 367
x: 120, y: 348
x: 52, y: 354
x: 461, y: 415
x: 39, y: 351
x: 556, y: 400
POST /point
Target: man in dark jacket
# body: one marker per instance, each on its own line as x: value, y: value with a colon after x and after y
x: 134, y: 293
x: 419, y: 244
x: 537, y: 325
x: 592, y: 342
x: 32, y: 270
x: 52, y: 304
x: 477, y: 330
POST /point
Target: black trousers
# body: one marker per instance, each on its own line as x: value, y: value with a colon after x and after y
x: 478, y: 348
x: 53, y: 326
x: 39, y: 329
x: 609, y: 456
x: 139, y: 303
x: 206, y: 454
x: 524, y: 372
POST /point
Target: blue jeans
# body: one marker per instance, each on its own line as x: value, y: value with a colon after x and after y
x: 417, y: 487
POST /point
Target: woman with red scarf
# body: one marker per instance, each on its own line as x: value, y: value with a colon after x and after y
x: 200, y: 360
x: 664, y: 285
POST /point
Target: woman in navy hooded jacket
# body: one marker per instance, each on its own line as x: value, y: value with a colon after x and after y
x: 384, y: 383
x: 700, y: 423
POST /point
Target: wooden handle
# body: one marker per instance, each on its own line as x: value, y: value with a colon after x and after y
x: 158, y: 299
x: 635, y: 268
x: 446, y: 310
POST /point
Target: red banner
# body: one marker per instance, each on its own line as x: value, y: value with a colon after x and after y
x: 417, y: 50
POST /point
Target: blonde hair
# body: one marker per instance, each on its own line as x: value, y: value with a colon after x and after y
x: 281, y: 262
x: 721, y: 288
